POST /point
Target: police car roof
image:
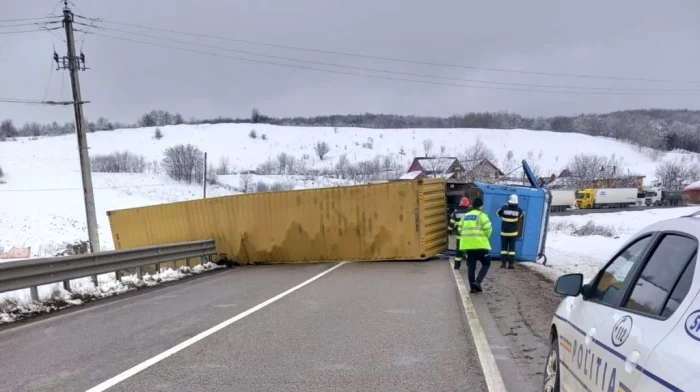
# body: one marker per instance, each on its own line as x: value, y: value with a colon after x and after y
x: 689, y: 224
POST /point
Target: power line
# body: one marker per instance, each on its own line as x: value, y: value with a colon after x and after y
x: 391, y: 72
x: 296, y: 66
x: 27, y: 19
x: 29, y: 24
x: 38, y: 102
x: 398, y: 60
x: 21, y: 31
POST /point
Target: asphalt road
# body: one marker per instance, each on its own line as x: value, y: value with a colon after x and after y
x: 363, y: 326
x: 516, y: 310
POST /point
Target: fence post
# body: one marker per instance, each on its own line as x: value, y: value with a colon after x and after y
x: 34, y: 291
x: 139, y: 273
x: 66, y: 285
x: 188, y: 261
x: 118, y: 275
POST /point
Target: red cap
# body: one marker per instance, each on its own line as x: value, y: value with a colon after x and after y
x: 464, y: 202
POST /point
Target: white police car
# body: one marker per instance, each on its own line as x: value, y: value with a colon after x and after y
x: 636, y: 325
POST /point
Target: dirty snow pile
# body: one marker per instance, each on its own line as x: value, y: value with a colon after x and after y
x: 17, y: 305
x: 584, y: 243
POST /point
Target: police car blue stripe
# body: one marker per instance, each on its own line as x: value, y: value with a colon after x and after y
x: 621, y: 357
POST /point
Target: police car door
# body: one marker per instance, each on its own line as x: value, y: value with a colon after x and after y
x: 647, y: 312
x: 581, y: 332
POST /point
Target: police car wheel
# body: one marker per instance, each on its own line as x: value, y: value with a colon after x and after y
x: 551, y: 367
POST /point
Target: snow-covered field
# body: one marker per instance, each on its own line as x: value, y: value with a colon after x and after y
x: 567, y: 253
x: 41, y: 202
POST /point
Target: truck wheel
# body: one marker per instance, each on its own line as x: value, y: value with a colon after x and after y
x: 551, y: 367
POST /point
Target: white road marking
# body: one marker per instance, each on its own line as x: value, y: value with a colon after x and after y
x: 494, y: 381
x: 165, y: 354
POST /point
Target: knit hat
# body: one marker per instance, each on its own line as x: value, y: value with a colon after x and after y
x: 478, y: 203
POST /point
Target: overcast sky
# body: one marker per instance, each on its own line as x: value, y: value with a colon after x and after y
x: 646, y: 39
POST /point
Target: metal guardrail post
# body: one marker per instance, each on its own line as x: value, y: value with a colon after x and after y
x: 34, y: 292
x: 139, y: 273
x: 66, y: 285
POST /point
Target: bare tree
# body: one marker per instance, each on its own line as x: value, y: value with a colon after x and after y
x: 246, y: 182
x: 184, y: 163
x: 587, y: 168
x: 473, y: 160
x: 427, y: 147
x: 224, y: 167
x: 321, y: 149
x: 674, y: 176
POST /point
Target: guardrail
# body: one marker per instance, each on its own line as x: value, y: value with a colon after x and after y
x: 30, y: 273
x: 608, y: 210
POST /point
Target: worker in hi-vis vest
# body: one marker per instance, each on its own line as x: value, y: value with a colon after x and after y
x: 474, y: 232
x: 510, y: 213
x: 453, y: 227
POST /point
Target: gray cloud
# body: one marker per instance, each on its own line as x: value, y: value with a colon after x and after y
x: 641, y: 39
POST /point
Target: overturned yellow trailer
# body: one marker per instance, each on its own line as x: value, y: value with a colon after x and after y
x: 401, y: 220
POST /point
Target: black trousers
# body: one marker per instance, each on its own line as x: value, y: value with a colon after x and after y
x: 473, y: 256
x: 508, y: 248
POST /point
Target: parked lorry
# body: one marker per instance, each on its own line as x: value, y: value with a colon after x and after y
x: 562, y: 199
x: 593, y: 198
x: 660, y: 197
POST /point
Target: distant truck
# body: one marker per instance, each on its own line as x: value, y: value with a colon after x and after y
x: 661, y: 197
x: 594, y: 198
x: 562, y: 200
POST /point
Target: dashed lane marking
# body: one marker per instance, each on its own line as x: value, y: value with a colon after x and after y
x: 165, y: 354
x: 494, y: 381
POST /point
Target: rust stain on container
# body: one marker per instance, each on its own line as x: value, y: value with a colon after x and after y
x: 403, y: 220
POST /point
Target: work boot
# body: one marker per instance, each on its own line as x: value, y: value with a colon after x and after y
x: 510, y: 264
x: 478, y: 288
x: 457, y: 264
x: 473, y: 288
x: 503, y: 264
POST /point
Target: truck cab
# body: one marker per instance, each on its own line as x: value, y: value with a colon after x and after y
x: 584, y: 199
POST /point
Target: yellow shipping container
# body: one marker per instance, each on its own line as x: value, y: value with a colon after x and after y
x: 402, y: 220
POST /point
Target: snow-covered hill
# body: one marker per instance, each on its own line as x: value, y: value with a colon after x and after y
x: 41, y: 201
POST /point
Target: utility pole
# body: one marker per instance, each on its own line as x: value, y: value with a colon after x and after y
x: 73, y: 62
x: 204, y: 179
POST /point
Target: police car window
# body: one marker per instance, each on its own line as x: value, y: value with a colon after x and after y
x: 681, y: 290
x: 613, y: 278
x: 660, y: 274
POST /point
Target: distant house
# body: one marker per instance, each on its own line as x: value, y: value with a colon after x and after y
x: 448, y: 168
x: 452, y: 170
x: 485, y: 171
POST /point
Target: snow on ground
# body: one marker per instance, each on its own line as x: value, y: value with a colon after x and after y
x: 567, y: 253
x: 15, y: 305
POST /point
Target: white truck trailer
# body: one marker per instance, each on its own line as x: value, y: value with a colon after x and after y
x: 562, y: 199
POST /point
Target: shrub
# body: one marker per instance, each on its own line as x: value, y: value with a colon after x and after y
x: 321, y: 149
x: 184, y: 163
x: 264, y: 137
x: 253, y: 134
x: 261, y: 187
x: 281, y: 186
x: 592, y: 228
x: 158, y: 134
x: 1, y: 172
x: 118, y: 162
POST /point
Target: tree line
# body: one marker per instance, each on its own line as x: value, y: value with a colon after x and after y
x: 662, y: 129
